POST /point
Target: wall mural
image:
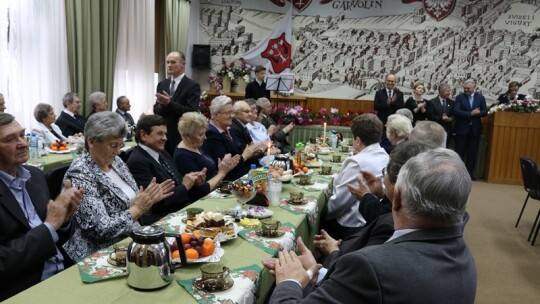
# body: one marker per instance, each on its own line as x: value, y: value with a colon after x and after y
x: 344, y: 48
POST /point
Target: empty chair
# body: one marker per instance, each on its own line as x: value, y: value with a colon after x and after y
x: 531, y: 183
x: 54, y: 180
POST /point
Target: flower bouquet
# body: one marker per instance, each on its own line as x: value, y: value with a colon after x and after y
x: 528, y: 105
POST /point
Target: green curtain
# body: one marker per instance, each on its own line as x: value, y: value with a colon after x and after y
x: 92, y: 30
x: 176, y: 25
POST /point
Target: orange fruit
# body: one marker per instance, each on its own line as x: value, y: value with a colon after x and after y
x: 186, y: 238
x: 208, y: 248
x: 192, y: 254
x: 305, y: 169
x: 208, y: 240
x: 175, y: 254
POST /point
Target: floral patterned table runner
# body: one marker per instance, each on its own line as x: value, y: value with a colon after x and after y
x: 315, y: 186
x: 310, y: 209
x: 242, y: 292
x: 95, y: 268
x: 271, y: 245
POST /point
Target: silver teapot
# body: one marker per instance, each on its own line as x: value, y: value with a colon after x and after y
x: 282, y: 161
x: 149, y: 262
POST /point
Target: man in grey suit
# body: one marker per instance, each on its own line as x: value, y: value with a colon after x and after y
x: 425, y: 261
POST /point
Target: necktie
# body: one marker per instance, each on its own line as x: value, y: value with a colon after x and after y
x: 390, y: 93
x: 471, y: 99
x: 172, y: 89
x: 169, y: 170
x: 55, y: 134
x: 227, y: 135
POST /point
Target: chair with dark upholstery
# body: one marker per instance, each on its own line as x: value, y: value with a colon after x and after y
x: 531, y: 183
x: 54, y: 180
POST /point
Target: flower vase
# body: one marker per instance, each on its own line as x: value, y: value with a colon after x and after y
x: 226, y: 84
x: 241, y: 84
x: 234, y: 86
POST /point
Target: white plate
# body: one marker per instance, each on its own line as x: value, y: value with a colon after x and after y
x: 259, y: 212
x: 69, y: 150
x: 314, y: 164
x: 215, y: 257
x: 310, y: 171
x: 285, y: 178
x: 324, y: 151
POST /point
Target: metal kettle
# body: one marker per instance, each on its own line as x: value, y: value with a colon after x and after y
x: 282, y: 161
x: 149, y: 262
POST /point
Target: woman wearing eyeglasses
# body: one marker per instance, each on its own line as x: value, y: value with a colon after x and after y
x: 111, y: 204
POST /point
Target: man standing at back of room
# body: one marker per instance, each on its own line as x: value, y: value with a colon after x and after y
x: 389, y: 99
x: 469, y: 108
x: 175, y: 96
x: 257, y: 88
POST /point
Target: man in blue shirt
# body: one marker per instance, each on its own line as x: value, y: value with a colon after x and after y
x: 32, y: 226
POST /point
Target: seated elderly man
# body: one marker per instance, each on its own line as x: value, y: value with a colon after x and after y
x: 219, y: 141
x: 429, y: 132
x: 279, y: 136
x: 46, y: 130
x: 69, y: 121
x: 150, y: 160
x: 98, y: 101
x: 32, y: 226
x: 112, y: 203
x: 398, y: 128
x: 342, y: 217
x: 429, y: 203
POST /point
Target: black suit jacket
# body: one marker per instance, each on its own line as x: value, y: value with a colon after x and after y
x: 127, y: 117
x: 186, y: 98
x: 217, y: 145
x: 464, y: 121
x: 23, y: 250
x: 240, y: 133
x: 256, y: 91
x: 279, y: 138
x: 375, y: 233
x: 381, y: 103
x: 144, y: 167
x: 424, y: 266
x: 70, y: 125
x: 435, y: 113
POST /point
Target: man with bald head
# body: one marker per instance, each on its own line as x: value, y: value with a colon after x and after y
x: 175, y: 96
x: 389, y: 99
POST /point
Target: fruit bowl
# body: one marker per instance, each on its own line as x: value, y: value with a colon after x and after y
x: 243, y: 191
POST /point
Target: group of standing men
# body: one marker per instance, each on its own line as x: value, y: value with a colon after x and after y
x: 460, y: 118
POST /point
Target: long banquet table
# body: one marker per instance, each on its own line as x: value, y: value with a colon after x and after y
x: 67, y: 287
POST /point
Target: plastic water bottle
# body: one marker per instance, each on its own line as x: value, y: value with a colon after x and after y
x: 333, y: 139
x: 251, y: 168
x: 34, y: 146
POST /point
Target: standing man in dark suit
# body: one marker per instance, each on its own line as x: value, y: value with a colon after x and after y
x: 122, y: 108
x: 439, y: 109
x: 469, y: 108
x: 407, y: 268
x: 69, y: 121
x: 176, y: 95
x: 388, y: 100
x: 257, y: 88
x: 32, y: 226
x: 149, y: 160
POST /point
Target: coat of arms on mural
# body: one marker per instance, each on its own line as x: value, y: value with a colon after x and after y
x: 299, y: 5
x: 278, y: 51
x: 439, y: 9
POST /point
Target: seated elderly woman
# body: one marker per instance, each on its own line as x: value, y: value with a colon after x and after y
x: 257, y: 130
x: 46, y: 130
x: 219, y: 141
x: 111, y: 204
x: 398, y: 129
x: 98, y: 101
x: 189, y: 156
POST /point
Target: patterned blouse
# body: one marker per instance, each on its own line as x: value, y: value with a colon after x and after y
x: 103, y: 217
